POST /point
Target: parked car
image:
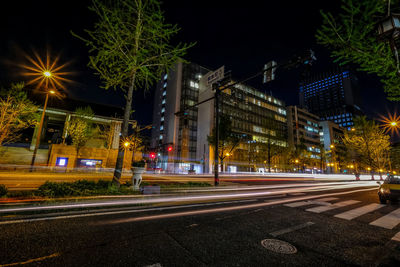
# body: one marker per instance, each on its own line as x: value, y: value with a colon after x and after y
x: 389, y: 189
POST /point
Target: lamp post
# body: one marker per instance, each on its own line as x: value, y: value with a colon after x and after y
x: 47, y: 75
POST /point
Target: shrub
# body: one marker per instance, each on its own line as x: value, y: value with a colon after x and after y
x: 3, y: 190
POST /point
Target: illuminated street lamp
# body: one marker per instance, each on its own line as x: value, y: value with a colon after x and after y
x: 46, y: 75
x: 389, y: 30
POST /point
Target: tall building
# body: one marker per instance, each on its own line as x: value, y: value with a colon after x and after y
x: 174, y: 137
x: 332, y: 96
x: 303, y: 129
x: 332, y: 139
x: 258, y: 119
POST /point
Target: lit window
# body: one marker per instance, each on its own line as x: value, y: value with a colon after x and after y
x: 161, y: 128
x: 162, y: 110
x: 165, y: 76
x: 161, y: 137
x: 162, y: 118
x: 164, y: 93
x: 165, y: 85
x: 163, y: 101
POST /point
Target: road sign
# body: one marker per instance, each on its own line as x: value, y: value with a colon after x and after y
x: 214, y: 76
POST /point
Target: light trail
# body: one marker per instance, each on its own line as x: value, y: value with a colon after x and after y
x: 223, y: 209
x: 176, y: 214
x: 191, y: 198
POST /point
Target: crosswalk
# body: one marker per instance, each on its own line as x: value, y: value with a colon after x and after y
x: 388, y: 221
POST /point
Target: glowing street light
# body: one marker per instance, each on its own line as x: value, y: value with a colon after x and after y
x: 44, y: 74
x: 47, y: 74
x: 391, y: 123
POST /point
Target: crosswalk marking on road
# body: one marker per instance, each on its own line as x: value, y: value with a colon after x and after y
x: 388, y: 221
x: 321, y: 201
x: 396, y: 237
x: 320, y: 209
x: 354, y: 213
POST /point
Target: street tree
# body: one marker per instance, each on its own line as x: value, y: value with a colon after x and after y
x: 370, y: 142
x: 80, y: 128
x: 17, y: 112
x: 130, y: 49
x: 351, y: 37
x: 228, y: 140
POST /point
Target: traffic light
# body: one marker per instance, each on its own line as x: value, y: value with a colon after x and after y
x: 169, y: 148
x: 152, y: 155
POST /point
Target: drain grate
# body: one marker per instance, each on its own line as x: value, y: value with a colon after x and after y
x: 278, y: 246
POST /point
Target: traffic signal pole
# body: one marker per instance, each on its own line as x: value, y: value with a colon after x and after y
x: 216, y: 153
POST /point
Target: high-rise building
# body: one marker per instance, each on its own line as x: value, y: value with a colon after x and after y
x: 332, y: 96
x: 258, y: 119
x: 303, y: 129
x: 174, y: 137
x: 331, y: 136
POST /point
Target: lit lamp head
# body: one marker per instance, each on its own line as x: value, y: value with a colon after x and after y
x: 297, y: 161
x: 393, y: 123
x: 52, y: 92
x: 47, y: 74
x: 332, y: 146
x: 126, y: 144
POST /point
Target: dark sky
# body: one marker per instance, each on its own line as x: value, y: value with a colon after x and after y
x: 242, y: 36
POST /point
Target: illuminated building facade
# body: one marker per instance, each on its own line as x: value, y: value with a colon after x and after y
x: 332, y: 96
x: 303, y: 129
x: 175, y: 92
x: 258, y: 120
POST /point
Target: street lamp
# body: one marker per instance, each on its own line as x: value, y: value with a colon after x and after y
x: 39, y: 132
x: 389, y: 30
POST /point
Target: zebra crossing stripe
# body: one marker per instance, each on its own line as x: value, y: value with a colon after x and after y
x: 321, y: 201
x: 396, y: 237
x: 354, y: 213
x: 388, y: 221
x: 333, y: 206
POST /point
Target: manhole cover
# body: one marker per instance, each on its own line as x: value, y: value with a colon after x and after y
x: 278, y: 246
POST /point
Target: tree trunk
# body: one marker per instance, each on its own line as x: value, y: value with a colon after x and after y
x: 124, y: 134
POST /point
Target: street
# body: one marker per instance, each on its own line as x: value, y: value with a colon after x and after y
x: 329, y: 224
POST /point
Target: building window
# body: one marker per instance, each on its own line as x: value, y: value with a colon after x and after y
x: 161, y: 137
x: 163, y: 101
x: 165, y: 85
x: 162, y: 110
x: 162, y: 118
x: 164, y: 93
x: 166, y: 76
x: 161, y: 128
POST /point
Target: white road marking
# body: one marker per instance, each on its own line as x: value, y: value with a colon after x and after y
x: 248, y: 206
x: 298, y: 194
x: 396, y: 237
x: 291, y: 229
x: 321, y: 201
x: 333, y: 206
x: 388, y: 221
x: 354, y: 213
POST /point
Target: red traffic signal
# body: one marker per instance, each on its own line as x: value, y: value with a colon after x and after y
x: 152, y: 155
x: 169, y: 148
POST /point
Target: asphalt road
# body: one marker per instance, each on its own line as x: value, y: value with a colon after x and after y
x: 226, y: 230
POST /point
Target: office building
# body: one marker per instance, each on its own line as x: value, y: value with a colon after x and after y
x: 303, y: 130
x: 332, y: 96
x: 257, y: 119
x: 174, y: 137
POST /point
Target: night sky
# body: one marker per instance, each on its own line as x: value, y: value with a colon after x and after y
x: 242, y: 36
